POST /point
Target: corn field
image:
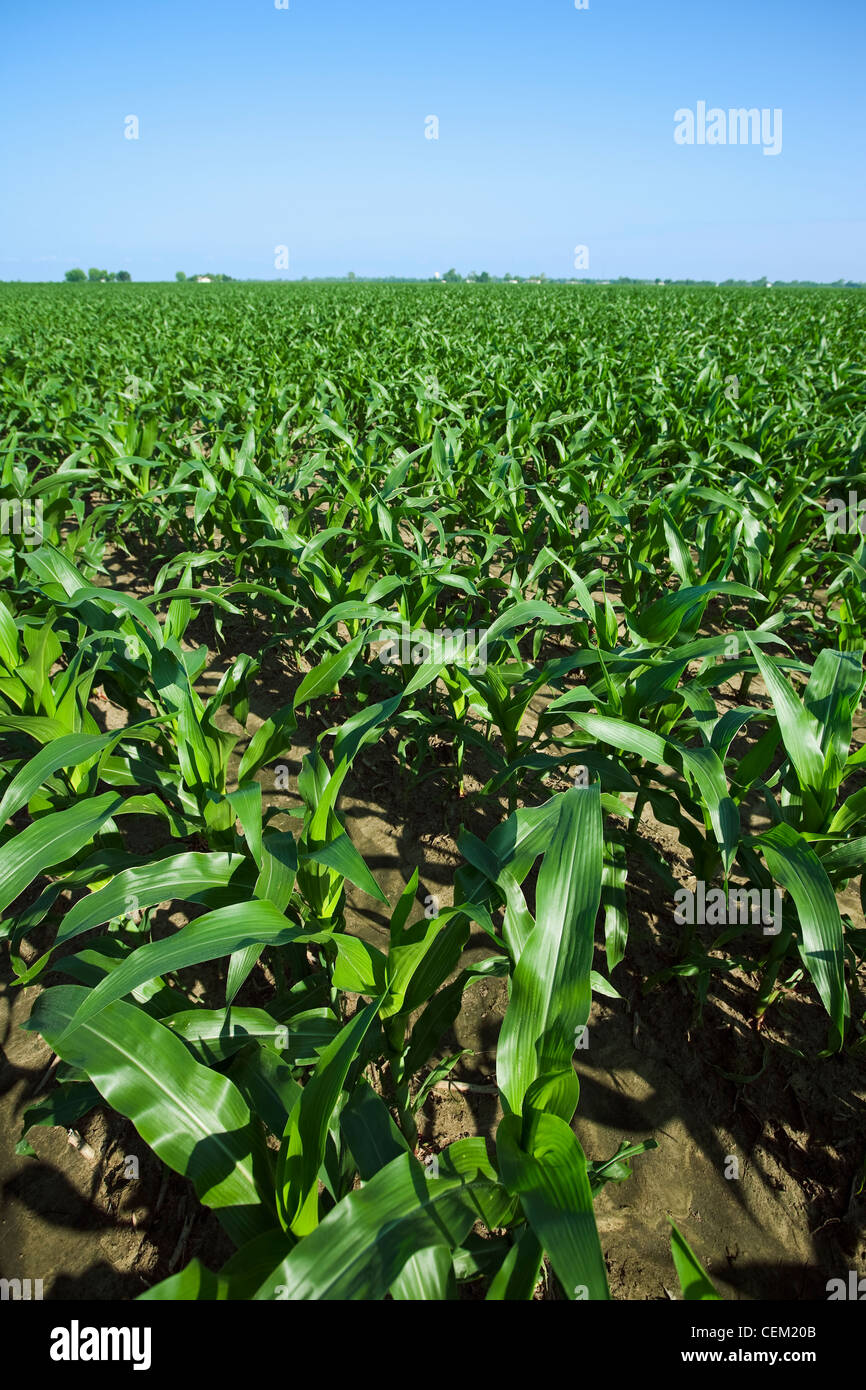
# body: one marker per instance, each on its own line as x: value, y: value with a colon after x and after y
x: 575, y: 574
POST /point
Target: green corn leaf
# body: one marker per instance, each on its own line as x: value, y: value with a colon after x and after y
x: 363, y: 728
x: 660, y: 622
x: 706, y: 768
x: 518, y: 1274
x: 547, y: 1170
x: 179, y: 878
x: 613, y: 899
x: 427, y: 1276
x: 800, y: 730
x: 359, y: 1249
x: 359, y: 968
x: 303, y: 1147
x: 246, y: 803
x: 254, y: 1261
x: 531, y: 611
x: 193, y: 1119
x: 210, y: 937
x: 551, y: 991
x: 427, y: 673
x: 845, y: 860
x: 269, y: 741
x: 631, y: 738
x: 266, y: 1083
x: 69, y: 751
x: 194, y: 1284
x: 322, y: 678
x: 215, y: 1034
x: 42, y: 727
x: 369, y: 1130
x: 850, y: 813
x: 694, y: 1281
x: 51, y: 840
x: 831, y: 697
x: 279, y: 867
x: 241, y: 966
x: 340, y: 854
x: 9, y: 649
x: 681, y: 557
x: 796, y: 866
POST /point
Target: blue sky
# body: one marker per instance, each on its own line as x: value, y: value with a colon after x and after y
x: 305, y: 127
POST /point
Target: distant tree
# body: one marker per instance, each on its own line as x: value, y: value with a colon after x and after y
x: 124, y: 275
x: 179, y: 275
x: 484, y: 277
x: 451, y: 276
x: 73, y: 276
x: 351, y: 275
x: 94, y: 274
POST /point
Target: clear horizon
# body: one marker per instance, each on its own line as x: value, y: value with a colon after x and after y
x: 700, y: 282
x: 293, y: 143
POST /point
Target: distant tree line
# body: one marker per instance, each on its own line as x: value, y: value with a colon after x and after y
x: 452, y: 276
x: 77, y: 275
